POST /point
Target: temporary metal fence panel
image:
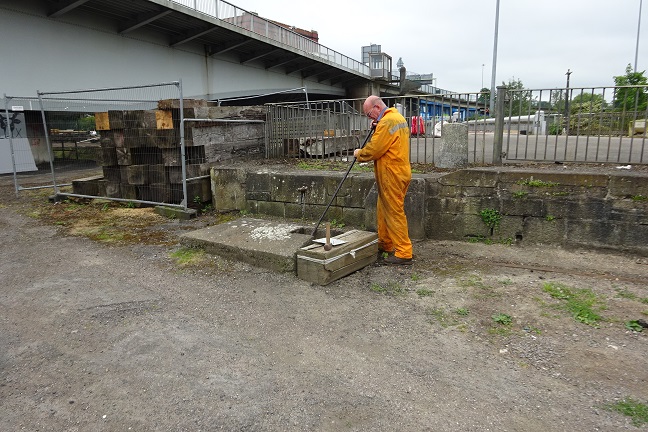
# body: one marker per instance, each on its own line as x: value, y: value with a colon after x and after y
x: 585, y: 125
x: 322, y: 129
x: 122, y: 144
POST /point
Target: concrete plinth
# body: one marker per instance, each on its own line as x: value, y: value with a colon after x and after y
x: 258, y: 242
x: 454, y: 146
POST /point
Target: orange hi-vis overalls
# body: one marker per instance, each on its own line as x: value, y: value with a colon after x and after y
x: 389, y: 149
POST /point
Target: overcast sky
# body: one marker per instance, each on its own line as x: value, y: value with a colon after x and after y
x: 538, y: 41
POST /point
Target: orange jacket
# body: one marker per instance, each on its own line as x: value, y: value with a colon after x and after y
x: 389, y: 148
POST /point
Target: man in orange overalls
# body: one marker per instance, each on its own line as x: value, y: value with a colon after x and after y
x: 389, y: 149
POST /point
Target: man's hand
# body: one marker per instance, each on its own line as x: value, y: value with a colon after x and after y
x: 356, y: 152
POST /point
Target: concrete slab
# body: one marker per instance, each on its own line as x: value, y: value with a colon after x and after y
x: 262, y: 243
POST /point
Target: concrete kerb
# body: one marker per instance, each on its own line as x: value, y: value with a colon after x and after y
x: 176, y: 213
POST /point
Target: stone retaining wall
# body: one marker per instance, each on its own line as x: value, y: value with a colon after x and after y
x: 601, y: 211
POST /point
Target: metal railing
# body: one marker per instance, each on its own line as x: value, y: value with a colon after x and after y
x: 586, y: 125
x: 228, y: 13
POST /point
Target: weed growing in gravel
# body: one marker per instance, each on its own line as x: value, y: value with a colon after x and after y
x: 462, y: 311
x: 485, y: 291
x: 634, y: 325
x: 439, y: 315
x: 389, y: 288
x: 503, y: 319
x: 634, y: 409
x: 337, y: 224
x: 580, y: 303
x: 424, y: 292
x: 624, y: 293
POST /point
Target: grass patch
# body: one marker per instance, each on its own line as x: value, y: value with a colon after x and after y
x: 583, y: 304
x: 520, y: 194
x: 624, y: 293
x: 462, y: 311
x: 445, y: 320
x: 188, y: 256
x: 107, y: 222
x: 483, y: 291
x: 639, y: 198
x: 332, y: 165
x: 637, y: 411
x: 489, y: 241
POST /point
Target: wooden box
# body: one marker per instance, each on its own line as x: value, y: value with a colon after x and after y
x: 316, y: 265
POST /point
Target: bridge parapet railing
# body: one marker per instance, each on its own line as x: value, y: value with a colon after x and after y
x: 249, y: 21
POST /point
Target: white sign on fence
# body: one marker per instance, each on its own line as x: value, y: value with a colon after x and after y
x: 22, y: 154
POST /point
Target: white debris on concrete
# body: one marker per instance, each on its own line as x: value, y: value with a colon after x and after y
x: 276, y: 232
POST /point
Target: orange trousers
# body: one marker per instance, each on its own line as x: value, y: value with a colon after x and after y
x: 390, y: 214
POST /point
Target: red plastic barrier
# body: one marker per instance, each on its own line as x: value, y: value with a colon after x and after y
x: 418, y: 126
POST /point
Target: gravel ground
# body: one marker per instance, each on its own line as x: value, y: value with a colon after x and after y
x: 96, y: 337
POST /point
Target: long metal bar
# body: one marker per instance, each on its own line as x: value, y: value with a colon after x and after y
x: 340, y: 184
x: 50, y: 152
x: 11, y: 147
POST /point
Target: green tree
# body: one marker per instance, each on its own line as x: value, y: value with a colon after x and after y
x: 483, y: 101
x: 521, y: 100
x: 557, y: 98
x: 631, y: 98
x: 585, y: 115
x: 592, y: 98
x: 86, y: 123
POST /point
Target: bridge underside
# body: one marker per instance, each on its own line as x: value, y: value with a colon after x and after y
x: 76, y: 44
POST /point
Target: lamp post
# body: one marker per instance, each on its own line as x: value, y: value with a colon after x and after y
x: 482, y: 76
x: 638, y: 30
x: 492, y: 92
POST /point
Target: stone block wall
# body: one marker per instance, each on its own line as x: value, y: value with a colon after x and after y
x: 600, y: 211
x: 141, y: 155
x: 573, y: 210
